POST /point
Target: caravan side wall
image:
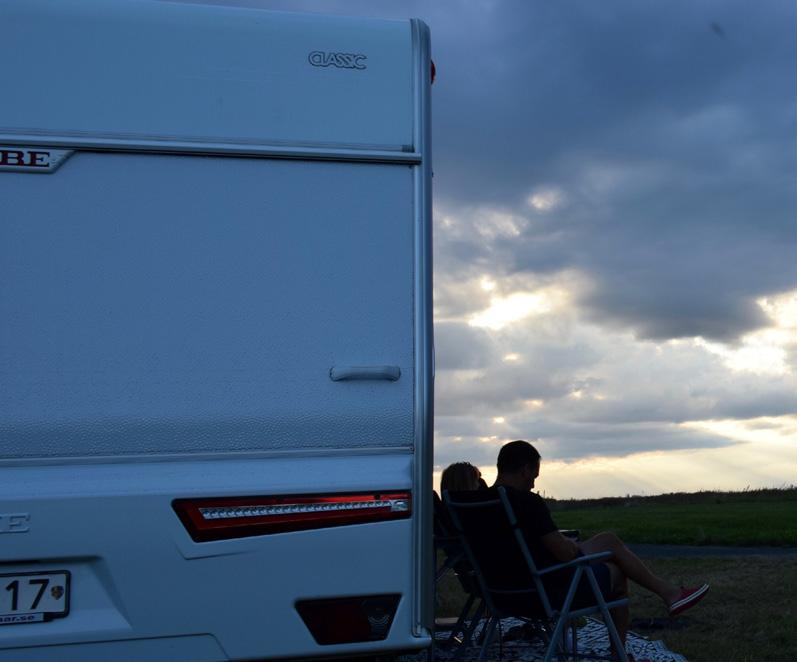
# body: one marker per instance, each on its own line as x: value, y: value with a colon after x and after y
x: 230, y: 226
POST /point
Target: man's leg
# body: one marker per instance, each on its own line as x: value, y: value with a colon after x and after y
x: 630, y: 565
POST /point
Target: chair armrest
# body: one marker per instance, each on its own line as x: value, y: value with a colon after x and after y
x: 579, y: 560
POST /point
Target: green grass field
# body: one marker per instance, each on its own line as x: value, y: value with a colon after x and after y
x: 760, y: 517
x: 750, y: 614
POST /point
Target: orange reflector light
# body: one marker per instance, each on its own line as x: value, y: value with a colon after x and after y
x: 349, y: 620
x: 237, y: 517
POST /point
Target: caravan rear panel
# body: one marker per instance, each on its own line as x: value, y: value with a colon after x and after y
x: 215, y: 335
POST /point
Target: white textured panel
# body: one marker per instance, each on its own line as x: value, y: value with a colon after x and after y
x: 190, y: 72
x: 136, y: 573
x: 189, y: 304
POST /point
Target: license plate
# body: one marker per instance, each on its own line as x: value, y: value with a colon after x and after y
x: 33, y: 597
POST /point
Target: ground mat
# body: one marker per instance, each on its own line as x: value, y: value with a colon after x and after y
x: 518, y: 645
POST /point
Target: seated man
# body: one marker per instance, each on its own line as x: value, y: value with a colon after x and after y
x: 518, y: 468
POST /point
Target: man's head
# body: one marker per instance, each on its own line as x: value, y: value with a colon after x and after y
x: 518, y: 465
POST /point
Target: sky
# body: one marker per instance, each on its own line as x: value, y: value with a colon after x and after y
x: 615, y: 234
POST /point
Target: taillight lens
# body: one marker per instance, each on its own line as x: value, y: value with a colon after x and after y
x: 349, y: 620
x: 237, y: 517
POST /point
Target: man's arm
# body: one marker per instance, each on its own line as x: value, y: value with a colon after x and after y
x: 561, y: 548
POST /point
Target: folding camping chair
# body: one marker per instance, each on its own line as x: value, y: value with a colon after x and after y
x: 447, y: 541
x: 497, y: 550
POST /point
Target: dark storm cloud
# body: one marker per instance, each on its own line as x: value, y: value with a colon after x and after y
x: 462, y: 347
x: 700, y: 220
x: 674, y: 148
x: 569, y: 442
x: 681, y: 402
x: 543, y: 367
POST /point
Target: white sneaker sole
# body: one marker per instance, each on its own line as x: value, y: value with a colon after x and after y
x: 680, y: 605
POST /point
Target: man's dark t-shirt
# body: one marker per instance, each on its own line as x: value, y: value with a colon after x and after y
x: 511, y: 572
x: 534, y: 520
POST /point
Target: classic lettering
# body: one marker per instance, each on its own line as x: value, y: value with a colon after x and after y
x: 316, y: 58
x: 339, y: 60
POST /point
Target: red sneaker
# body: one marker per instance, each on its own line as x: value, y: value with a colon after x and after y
x: 689, y: 597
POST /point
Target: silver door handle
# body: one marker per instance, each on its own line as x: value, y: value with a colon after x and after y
x: 389, y: 373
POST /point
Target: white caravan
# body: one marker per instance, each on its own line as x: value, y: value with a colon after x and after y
x: 215, y: 333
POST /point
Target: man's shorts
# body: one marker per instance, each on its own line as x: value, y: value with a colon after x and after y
x: 585, y: 597
x: 556, y: 587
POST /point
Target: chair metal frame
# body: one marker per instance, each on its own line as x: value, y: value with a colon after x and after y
x: 559, y: 618
x: 456, y: 559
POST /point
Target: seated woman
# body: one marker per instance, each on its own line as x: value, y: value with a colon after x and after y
x: 461, y: 477
x: 457, y: 477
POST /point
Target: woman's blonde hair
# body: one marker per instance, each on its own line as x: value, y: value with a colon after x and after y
x: 460, y: 477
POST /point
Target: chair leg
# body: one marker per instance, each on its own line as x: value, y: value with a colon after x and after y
x: 467, y: 633
x: 619, y: 646
x: 483, y: 633
x: 556, y: 644
x: 557, y: 638
x: 463, y: 615
x: 488, y: 639
x: 573, y: 641
x: 474, y: 621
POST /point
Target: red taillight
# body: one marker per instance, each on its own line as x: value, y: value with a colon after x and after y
x: 237, y: 517
x: 349, y: 620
